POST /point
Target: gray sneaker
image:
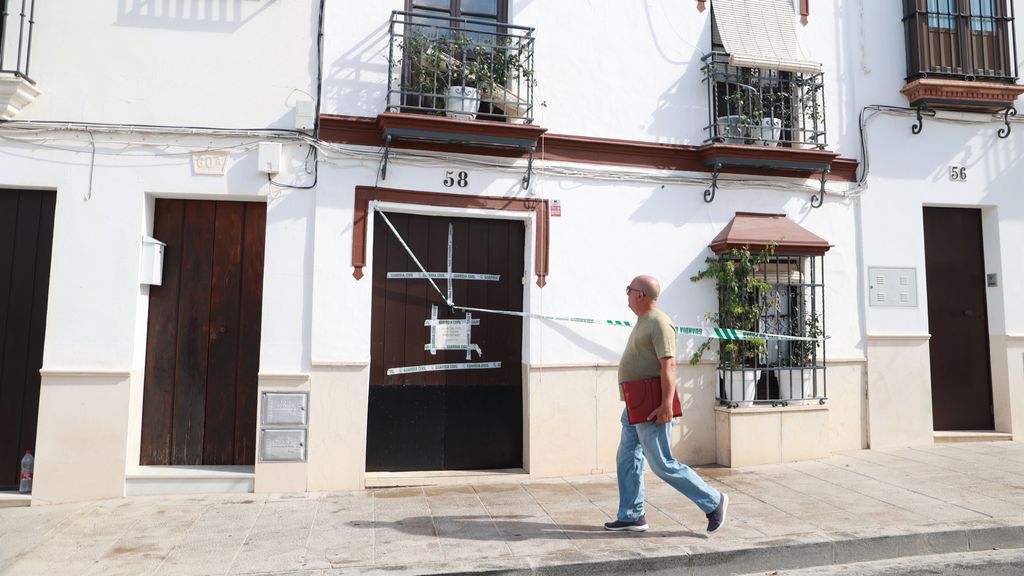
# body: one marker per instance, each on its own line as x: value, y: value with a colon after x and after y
x: 717, y: 518
x: 638, y: 525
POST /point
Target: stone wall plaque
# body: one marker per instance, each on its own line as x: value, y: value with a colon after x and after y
x: 284, y: 409
x: 282, y: 445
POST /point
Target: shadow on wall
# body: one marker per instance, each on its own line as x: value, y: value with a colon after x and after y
x: 191, y: 15
x: 682, y: 109
x: 356, y: 82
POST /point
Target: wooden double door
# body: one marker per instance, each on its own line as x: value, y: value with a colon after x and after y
x: 468, y: 416
x: 203, y: 343
x: 961, y: 375
x: 26, y: 243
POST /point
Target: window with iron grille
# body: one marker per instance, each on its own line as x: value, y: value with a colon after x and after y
x: 961, y: 39
x: 761, y: 106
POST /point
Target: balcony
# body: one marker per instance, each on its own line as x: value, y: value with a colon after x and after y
x: 460, y: 68
x: 762, y: 107
x: 17, y: 90
x: 961, y: 55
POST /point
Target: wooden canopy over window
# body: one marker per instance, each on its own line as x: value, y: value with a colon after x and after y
x: 757, y: 231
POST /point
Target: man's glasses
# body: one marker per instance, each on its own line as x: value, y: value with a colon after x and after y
x: 631, y: 289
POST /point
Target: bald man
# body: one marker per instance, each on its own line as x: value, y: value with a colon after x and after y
x: 651, y: 352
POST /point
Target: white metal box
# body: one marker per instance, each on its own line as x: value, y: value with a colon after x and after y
x: 151, y: 268
x: 270, y: 157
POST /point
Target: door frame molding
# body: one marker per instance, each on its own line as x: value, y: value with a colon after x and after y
x: 470, y: 206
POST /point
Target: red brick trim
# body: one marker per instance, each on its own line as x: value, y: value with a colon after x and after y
x: 364, y: 194
x: 805, y: 11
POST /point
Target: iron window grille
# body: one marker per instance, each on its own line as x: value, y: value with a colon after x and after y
x: 962, y: 39
x: 17, y: 21
x: 763, y: 107
x: 791, y: 300
x: 433, y: 58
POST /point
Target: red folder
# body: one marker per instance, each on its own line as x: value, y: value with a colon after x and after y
x: 644, y: 397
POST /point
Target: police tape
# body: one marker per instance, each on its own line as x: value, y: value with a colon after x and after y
x: 717, y: 333
x: 698, y: 331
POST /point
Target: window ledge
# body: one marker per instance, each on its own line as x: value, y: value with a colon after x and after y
x: 947, y: 93
x: 15, y: 94
x: 803, y: 161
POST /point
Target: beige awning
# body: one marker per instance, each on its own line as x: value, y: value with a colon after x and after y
x: 761, y: 34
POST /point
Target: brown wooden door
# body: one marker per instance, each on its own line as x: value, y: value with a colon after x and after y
x: 453, y: 419
x: 26, y: 242
x: 957, y: 320
x: 203, y: 344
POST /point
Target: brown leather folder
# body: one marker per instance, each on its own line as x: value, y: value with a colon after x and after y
x: 644, y: 397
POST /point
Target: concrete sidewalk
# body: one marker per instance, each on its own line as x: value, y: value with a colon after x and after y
x: 856, y: 506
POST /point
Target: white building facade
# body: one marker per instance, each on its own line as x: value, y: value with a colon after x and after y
x: 291, y: 340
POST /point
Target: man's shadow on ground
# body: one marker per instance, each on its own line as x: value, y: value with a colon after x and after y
x: 508, y: 528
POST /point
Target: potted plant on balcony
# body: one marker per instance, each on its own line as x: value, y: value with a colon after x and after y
x: 741, y: 305
x: 503, y: 72
x: 439, y: 68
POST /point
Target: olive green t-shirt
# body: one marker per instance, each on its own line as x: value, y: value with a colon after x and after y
x: 653, y: 337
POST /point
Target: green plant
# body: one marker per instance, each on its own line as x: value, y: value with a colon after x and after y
x: 802, y: 352
x: 741, y: 303
x: 438, y: 62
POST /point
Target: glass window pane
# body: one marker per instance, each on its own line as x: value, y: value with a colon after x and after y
x: 983, y: 14
x: 480, y: 7
x: 439, y: 4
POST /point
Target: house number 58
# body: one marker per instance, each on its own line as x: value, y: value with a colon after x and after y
x: 452, y: 179
x: 958, y: 173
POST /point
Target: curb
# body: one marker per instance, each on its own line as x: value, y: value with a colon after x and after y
x: 803, y: 551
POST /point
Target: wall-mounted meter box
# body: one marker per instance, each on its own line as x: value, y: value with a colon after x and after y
x: 151, y: 269
x: 896, y: 287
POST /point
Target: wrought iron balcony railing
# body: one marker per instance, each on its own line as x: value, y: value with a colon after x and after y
x: 461, y: 67
x: 17, y: 19
x: 763, y: 107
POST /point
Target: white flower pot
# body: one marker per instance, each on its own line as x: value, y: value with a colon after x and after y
x: 771, y: 131
x: 462, y: 102
x: 739, y: 386
x: 795, y: 385
x: 731, y: 129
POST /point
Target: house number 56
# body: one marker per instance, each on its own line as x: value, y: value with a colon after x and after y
x: 452, y: 179
x: 958, y: 173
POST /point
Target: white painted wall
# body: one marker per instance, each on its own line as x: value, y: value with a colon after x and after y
x: 238, y: 63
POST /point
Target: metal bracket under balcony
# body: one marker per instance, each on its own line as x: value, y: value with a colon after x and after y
x: 452, y: 135
x: 752, y: 159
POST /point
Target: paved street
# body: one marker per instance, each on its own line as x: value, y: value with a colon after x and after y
x: 855, y: 506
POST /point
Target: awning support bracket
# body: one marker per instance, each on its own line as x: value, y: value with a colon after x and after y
x: 916, y: 128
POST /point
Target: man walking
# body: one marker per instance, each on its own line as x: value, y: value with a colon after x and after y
x: 651, y: 352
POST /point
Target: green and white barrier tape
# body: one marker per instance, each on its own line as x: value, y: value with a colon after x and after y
x: 699, y: 331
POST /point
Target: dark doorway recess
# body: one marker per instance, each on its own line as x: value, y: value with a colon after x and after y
x: 957, y: 319
x: 203, y: 343
x: 26, y: 242
x: 453, y: 419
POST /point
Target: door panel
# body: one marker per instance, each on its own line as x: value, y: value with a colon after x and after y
x: 26, y: 241
x: 957, y: 320
x: 452, y: 419
x: 202, y: 350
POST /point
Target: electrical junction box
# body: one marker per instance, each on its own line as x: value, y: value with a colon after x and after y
x: 304, y: 115
x: 151, y: 268
x: 270, y: 157
x: 892, y: 287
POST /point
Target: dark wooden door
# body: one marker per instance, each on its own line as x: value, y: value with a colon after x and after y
x: 203, y: 343
x: 468, y: 419
x: 957, y: 320
x: 26, y: 242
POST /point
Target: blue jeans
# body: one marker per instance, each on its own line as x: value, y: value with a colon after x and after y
x: 652, y: 440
